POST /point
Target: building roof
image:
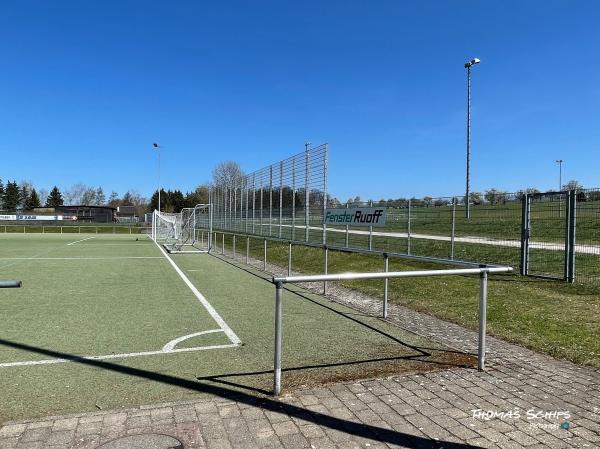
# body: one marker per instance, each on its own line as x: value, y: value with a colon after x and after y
x: 86, y: 206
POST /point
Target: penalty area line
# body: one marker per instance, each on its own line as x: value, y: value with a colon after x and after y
x: 82, y: 240
x: 208, y: 306
x: 114, y: 356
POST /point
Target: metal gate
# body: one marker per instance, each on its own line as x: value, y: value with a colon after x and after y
x: 548, y: 235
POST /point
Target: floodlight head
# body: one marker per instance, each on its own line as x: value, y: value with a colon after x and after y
x: 472, y: 62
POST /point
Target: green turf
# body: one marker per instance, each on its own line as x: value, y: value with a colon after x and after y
x: 100, y: 304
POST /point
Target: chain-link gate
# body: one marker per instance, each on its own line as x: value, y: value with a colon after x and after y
x: 548, y: 235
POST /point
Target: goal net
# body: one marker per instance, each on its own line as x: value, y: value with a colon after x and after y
x: 166, y: 228
x: 188, y: 231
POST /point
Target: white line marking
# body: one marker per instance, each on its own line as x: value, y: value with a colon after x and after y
x: 81, y: 258
x: 193, y: 271
x: 209, y: 308
x: 82, y: 240
x: 169, y: 347
x: 113, y: 356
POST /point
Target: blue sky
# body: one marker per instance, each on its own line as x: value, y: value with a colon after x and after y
x: 86, y: 87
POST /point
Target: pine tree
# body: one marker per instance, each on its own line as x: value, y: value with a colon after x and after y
x: 100, y: 197
x: 11, y: 196
x: 55, y: 198
x: 33, y: 200
x: 1, y: 195
x: 24, y: 194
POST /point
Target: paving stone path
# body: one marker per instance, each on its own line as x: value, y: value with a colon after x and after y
x: 523, y: 399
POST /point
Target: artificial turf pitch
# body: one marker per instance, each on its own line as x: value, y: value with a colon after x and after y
x: 88, y: 328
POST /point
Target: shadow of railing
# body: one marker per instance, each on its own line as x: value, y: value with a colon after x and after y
x: 361, y: 430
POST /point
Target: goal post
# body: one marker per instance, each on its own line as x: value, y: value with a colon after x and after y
x: 189, y: 231
x: 166, y: 227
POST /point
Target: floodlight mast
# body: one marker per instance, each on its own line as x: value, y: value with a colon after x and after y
x: 559, y: 162
x: 468, y: 66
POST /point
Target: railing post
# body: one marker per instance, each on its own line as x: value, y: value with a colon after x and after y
x: 386, y: 267
x: 289, y: 258
x: 247, y: 250
x: 483, y: 285
x: 277, y: 358
x: 223, y: 244
x: 234, y: 246
x: 326, y: 263
x: 265, y: 259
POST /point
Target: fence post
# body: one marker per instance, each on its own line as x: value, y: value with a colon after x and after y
x: 270, y: 199
x: 347, y: 229
x: 294, y: 198
x: 280, y: 196
x: 326, y: 263
x: 408, y: 229
x: 453, y: 228
x: 234, y: 246
x: 223, y: 244
x: 306, y: 194
x: 277, y: 358
x: 253, y: 201
x: 572, y: 214
x: 325, y: 195
x: 289, y: 258
x: 265, y: 259
x: 370, y: 230
x: 483, y: 282
x: 385, y: 285
x: 526, y: 205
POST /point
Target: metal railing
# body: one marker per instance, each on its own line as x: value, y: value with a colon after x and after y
x: 483, y: 294
x: 10, y: 284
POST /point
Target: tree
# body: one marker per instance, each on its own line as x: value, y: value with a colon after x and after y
x: 33, y: 200
x: 100, y: 197
x: 475, y: 198
x: 198, y: 196
x: 113, y: 199
x: 494, y: 196
x: 55, y: 198
x: 88, y: 197
x: 572, y: 185
x: 75, y: 193
x: 427, y: 200
x: 1, y: 195
x: 12, y: 196
x: 225, y: 174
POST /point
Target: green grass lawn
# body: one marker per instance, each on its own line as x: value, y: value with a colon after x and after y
x: 110, y: 295
x: 547, y: 316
